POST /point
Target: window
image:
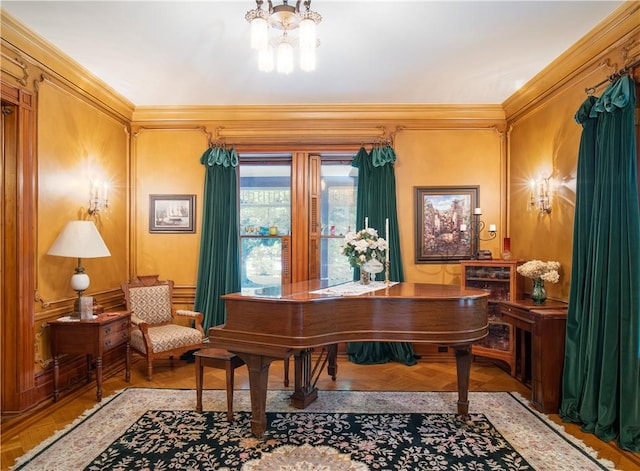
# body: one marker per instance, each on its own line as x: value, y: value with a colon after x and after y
x: 265, y: 222
x: 295, y: 210
x: 338, y: 185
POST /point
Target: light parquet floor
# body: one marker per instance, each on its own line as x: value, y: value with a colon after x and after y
x: 21, y: 434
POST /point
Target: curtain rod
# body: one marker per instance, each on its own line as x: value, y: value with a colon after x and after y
x: 377, y: 142
x: 613, y: 77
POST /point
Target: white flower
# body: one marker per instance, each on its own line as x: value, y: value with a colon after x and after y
x: 537, y: 269
x: 363, y: 246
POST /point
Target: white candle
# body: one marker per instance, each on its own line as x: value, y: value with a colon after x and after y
x: 492, y: 227
x: 463, y: 227
x: 386, y: 235
x: 477, y: 211
x: 366, y: 222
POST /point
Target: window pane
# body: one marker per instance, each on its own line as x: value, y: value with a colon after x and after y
x: 265, y: 198
x: 261, y: 264
x: 265, y: 210
x: 339, y: 183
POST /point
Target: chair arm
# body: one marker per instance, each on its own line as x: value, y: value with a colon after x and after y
x: 140, y: 324
x: 198, y: 317
x: 137, y: 321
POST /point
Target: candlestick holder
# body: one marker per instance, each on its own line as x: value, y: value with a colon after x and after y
x: 477, y: 226
x: 386, y: 273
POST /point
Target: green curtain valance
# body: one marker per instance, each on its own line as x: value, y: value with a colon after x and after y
x: 220, y: 156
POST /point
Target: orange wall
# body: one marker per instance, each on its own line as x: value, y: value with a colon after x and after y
x: 545, y: 143
x: 452, y: 157
x: 76, y: 144
x: 166, y: 162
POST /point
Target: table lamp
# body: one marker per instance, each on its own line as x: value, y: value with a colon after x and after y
x: 79, y: 239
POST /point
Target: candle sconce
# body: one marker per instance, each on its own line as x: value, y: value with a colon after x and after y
x: 477, y: 226
x: 98, y: 199
x: 540, y: 195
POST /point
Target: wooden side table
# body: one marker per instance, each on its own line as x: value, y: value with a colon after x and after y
x: 92, y: 338
x: 540, y: 332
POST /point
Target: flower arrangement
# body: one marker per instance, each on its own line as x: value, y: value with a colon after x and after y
x: 363, y: 246
x: 539, y: 270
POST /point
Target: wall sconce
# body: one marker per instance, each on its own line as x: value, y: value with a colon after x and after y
x: 477, y: 226
x: 540, y: 195
x: 99, y: 198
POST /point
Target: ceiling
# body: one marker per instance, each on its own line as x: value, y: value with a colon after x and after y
x: 371, y: 52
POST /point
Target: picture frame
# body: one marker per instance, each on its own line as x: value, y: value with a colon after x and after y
x: 440, y: 214
x: 172, y: 214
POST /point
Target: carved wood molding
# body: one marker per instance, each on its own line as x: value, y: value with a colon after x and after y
x: 15, y: 67
x: 279, y: 134
x: 441, y: 126
x: 137, y: 130
x: 38, y: 344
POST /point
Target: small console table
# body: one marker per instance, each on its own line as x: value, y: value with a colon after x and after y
x: 540, y: 332
x: 92, y: 338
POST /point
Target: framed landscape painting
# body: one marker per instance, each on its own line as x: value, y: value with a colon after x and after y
x: 172, y: 214
x: 444, y: 222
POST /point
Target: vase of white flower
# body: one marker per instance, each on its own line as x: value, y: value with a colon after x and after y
x: 538, y: 293
x: 366, y: 251
x: 540, y: 272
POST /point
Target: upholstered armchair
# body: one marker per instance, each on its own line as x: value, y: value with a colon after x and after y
x: 154, y: 331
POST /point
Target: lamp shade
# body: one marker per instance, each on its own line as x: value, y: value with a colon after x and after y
x: 79, y: 239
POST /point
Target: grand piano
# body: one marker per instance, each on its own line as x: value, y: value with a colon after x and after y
x: 300, y: 317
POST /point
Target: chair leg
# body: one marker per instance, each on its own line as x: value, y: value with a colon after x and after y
x: 229, y: 369
x: 199, y: 368
x: 149, y: 370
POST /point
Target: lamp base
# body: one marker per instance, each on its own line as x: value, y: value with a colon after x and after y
x: 76, y: 308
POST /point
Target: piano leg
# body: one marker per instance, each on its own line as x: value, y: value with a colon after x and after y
x: 258, y: 366
x: 306, y: 377
x: 305, y: 392
x: 463, y: 367
x: 332, y: 369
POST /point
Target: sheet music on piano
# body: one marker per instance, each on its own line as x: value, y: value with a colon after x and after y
x: 353, y: 288
x: 349, y: 288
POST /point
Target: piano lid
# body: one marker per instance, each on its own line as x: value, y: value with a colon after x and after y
x: 318, y: 289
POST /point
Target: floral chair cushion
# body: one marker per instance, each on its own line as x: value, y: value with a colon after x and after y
x: 152, y: 304
x: 166, y: 337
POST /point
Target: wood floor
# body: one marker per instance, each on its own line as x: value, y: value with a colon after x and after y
x: 20, y: 435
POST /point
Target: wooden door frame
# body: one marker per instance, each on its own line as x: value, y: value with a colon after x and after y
x: 17, y: 269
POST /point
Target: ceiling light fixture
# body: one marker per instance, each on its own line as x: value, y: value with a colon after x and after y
x: 286, y: 18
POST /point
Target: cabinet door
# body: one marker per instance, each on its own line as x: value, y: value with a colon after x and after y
x: 494, y: 279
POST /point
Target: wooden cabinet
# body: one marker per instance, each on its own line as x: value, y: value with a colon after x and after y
x: 502, y: 281
x: 539, y: 339
x: 92, y: 338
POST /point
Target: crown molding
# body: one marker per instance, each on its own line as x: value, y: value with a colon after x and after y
x: 53, y: 61
x: 283, y: 113
x: 611, y: 33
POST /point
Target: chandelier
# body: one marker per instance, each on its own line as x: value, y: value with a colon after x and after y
x: 287, y: 19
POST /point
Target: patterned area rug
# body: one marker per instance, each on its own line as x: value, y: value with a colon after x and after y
x: 158, y: 429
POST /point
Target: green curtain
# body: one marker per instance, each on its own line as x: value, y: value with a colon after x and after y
x: 219, y: 262
x: 601, y: 376
x: 376, y: 200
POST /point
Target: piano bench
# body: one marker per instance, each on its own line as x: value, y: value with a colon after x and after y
x: 221, y: 359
